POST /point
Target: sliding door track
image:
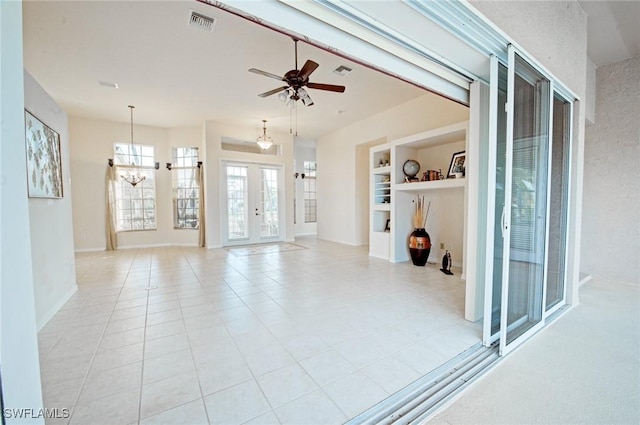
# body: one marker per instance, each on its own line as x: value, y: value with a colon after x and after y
x: 419, y: 400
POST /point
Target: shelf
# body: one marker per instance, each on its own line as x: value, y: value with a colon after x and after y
x: 382, y: 207
x: 439, y: 136
x: 431, y: 185
x: 381, y: 170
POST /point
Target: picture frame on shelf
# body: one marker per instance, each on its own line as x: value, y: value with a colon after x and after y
x: 457, y: 165
x: 44, y: 162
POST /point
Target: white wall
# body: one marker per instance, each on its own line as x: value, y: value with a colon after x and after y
x: 214, y: 133
x: 304, y: 151
x: 611, y: 207
x: 590, y: 109
x: 52, y: 252
x: 92, y: 144
x: 18, y: 343
x: 338, y: 219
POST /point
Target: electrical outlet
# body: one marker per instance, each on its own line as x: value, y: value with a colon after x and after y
x: 441, y: 245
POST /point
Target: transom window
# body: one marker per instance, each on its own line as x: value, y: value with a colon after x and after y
x: 186, y: 198
x: 135, y: 205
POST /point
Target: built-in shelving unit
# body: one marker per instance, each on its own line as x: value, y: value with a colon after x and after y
x: 392, y: 198
x: 380, y: 200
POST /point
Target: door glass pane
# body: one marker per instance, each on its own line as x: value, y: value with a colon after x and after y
x: 558, y: 203
x: 237, y: 192
x: 528, y: 199
x: 498, y: 242
x: 269, y: 203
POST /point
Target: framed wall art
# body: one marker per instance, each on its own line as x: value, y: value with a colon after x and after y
x: 44, y: 162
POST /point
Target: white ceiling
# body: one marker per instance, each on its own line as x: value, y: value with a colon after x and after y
x: 179, y: 75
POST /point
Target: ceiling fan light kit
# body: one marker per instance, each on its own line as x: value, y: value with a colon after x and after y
x: 296, y: 80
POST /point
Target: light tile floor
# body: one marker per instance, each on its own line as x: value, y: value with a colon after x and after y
x: 196, y: 336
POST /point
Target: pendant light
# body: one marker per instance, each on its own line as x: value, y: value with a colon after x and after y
x: 133, y: 175
x: 264, y: 141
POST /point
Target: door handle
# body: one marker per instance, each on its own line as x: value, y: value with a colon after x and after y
x: 503, y: 225
x: 257, y: 213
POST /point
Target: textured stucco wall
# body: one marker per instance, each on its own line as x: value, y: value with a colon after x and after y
x: 553, y: 32
x: 611, y: 208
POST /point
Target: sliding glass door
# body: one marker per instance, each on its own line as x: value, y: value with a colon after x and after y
x: 558, y: 204
x: 525, y: 200
x: 529, y: 178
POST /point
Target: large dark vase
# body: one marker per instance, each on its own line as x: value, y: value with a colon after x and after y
x: 419, y: 246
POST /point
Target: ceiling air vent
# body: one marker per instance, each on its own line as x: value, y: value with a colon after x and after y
x: 201, y: 21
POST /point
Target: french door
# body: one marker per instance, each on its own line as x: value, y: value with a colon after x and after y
x: 529, y: 162
x: 252, y: 203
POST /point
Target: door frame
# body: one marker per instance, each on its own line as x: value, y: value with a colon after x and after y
x: 334, y: 24
x: 255, y: 187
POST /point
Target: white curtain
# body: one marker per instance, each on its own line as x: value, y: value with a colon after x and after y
x: 110, y: 200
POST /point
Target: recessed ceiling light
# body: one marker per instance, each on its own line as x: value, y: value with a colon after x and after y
x: 342, y: 70
x: 108, y: 84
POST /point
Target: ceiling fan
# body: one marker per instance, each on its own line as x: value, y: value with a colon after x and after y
x: 296, y: 80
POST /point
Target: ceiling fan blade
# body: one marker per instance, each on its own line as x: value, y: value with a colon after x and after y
x: 274, y: 91
x: 307, y: 69
x: 266, y: 74
x: 328, y: 87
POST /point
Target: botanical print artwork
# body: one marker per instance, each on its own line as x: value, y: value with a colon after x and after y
x: 44, y: 166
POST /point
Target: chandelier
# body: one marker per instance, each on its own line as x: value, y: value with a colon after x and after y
x: 263, y: 140
x: 133, y: 176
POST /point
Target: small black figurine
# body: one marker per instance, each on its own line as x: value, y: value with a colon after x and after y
x: 446, y: 264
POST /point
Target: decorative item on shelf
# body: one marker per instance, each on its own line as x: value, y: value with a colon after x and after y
x: 457, y: 166
x: 133, y: 176
x: 387, y: 227
x: 419, y: 240
x: 446, y: 264
x: 432, y: 175
x: 410, y: 168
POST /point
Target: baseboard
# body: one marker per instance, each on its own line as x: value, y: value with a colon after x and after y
x: 77, y: 251
x: 342, y: 242
x: 159, y: 245
x: 584, y: 278
x: 52, y: 311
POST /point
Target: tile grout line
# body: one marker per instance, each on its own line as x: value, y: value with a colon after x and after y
x: 193, y: 360
x: 104, y: 330
x: 144, y: 338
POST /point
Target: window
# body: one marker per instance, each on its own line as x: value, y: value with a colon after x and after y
x: 135, y: 205
x: 310, y: 192
x: 186, y: 193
